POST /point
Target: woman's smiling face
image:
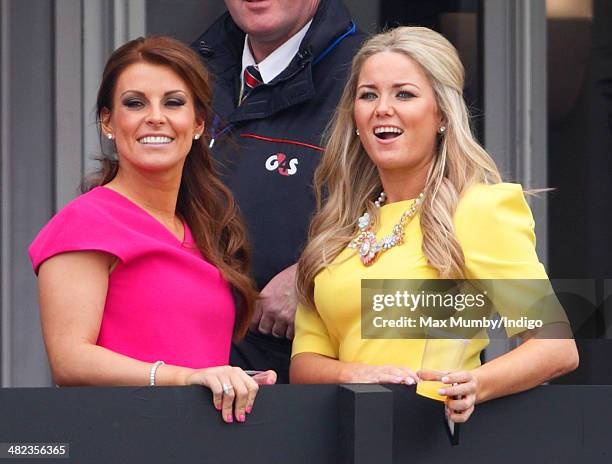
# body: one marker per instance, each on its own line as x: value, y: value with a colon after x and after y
x: 396, y: 113
x: 153, y: 118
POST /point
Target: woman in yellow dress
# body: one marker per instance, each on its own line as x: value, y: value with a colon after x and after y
x: 402, y: 128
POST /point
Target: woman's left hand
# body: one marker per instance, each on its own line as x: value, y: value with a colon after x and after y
x: 233, y: 390
x: 461, y: 392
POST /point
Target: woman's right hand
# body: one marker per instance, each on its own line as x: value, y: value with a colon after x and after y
x: 366, y: 373
x: 233, y: 390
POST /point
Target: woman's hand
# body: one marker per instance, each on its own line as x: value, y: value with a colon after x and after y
x: 316, y: 368
x: 233, y: 390
x: 460, y: 393
x: 365, y: 373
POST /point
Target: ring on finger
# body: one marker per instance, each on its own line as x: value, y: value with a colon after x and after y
x: 227, y: 388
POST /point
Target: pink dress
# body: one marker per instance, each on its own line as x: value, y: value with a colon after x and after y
x: 164, y: 301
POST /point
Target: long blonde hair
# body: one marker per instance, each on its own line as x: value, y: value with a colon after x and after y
x: 349, y: 179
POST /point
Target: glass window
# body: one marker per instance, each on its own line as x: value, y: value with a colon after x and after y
x: 580, y: 137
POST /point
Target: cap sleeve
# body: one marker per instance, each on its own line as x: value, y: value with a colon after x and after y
x: 495, y: 228
x: 311, y: 334
x: 82, y: 225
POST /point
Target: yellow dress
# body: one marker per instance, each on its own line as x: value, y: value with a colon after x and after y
x: 495, y: 228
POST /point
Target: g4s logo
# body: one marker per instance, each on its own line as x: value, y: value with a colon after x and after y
x: 280, y: 162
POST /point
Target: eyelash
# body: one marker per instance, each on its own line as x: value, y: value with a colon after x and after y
x: 135, y: 103
x: 402, y: 95
x: 407, y: 94
x: 132, y: 103
x: 367, y: 96
x: 176, y: 102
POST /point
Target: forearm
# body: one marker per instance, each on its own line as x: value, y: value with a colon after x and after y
x: 316, y: 368
x: 533, y: 362
x: 275, y: 309
x: 91, y: 365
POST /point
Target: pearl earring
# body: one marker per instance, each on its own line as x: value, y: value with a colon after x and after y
x: 380, y: 200
x: 442, y: 129
x: 109, y: 136
x: 357, y: 132
x: 196, y: 137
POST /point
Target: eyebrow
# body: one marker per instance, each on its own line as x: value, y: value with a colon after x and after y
x: 399, y: 84
x: 138, y: 92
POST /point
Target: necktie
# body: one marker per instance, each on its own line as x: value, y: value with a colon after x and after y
x: 251, y: 79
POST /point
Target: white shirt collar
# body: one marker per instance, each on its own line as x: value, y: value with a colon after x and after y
x: 278, y: 60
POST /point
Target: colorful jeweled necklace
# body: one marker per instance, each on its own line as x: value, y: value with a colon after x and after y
x: 367, y: 246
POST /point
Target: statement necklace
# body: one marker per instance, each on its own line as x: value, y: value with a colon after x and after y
x: 368, y: 247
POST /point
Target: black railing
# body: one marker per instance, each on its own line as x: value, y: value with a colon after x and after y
x: 309, y: 424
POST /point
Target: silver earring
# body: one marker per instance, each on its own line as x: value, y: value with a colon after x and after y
x: 442, y: 129
x: 109, y: 136
x: 357, y: 132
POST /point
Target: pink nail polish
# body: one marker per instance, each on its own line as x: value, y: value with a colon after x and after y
x: 218, y: 407
x: 241, y: 418
x: 249, y: 409
x: 230, y: 418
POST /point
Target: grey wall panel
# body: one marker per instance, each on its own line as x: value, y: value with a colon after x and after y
x: 185, y: 20
x: 129, y: 20
x: 68, y: 100
x: 5, y: 249
x: 98, y: 41
x: 31, y: 132
x: 499, y: 71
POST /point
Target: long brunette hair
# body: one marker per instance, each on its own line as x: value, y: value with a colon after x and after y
x: 204, y: 202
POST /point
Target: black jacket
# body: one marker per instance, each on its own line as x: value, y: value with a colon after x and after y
x: 269, y: 147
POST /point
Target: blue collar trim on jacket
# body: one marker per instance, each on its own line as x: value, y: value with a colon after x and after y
x: 215, y: 133
x: 214, y: 130
x: 351, y: 31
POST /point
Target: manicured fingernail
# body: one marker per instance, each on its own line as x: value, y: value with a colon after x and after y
x: 241, y: 418
x: 441, y: 391
x: 399, y: 379
x: 444, y: 379
x: 249, y: 409
x: 218, y: 407
x: 230, y: 418
x: 410, y: 381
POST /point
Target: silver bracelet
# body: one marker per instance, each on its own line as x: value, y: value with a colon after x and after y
x: 153, y: 371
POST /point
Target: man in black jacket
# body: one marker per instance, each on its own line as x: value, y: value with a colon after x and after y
x: 279, y: 68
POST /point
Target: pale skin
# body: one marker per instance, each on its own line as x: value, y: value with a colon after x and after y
x: 393, y: 91
x: 148, y: 100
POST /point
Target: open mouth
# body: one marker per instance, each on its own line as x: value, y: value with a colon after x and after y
x: 155, y: 140
x: 387, y: 132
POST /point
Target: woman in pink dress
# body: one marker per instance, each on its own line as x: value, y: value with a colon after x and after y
x: 143, y: 279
